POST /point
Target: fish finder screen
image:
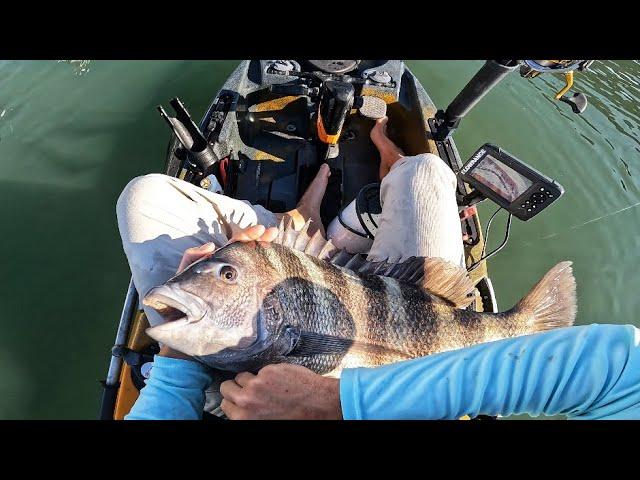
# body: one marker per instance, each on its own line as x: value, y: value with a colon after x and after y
x: 500, y: 178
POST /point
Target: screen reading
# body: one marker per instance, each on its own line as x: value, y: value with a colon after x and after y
x: 500, y: 178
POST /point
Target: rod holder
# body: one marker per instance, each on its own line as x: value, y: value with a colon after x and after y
x: 190, y: 136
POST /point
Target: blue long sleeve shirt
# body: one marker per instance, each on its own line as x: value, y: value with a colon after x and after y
x: 174, y: 391
x: 588, y: 372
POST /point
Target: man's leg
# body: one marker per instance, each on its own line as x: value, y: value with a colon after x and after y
x: 159, y: 217
x: 419, y: 209
x: 309, y: 206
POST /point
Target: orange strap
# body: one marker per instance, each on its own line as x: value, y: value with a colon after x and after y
x: 322, y: 134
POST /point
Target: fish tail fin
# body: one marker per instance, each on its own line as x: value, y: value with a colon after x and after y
x: 552, y: 302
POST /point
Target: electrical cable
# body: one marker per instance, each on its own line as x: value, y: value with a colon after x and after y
x: 486, y: 238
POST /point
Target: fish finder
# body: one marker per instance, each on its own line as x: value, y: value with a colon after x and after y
x: 509, y: 182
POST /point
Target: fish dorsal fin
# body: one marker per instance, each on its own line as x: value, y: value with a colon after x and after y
x: 448, y: 281
x: 435, y: 275
x: 314, y: 245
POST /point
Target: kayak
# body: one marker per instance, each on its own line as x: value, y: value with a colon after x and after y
x: 263, y: 138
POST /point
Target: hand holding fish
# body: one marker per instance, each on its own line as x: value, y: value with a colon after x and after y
x: 255, y: 232
x: 281, y: 392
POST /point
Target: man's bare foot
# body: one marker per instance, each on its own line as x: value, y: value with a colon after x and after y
x: 309, y: 205
x: 390, y: 153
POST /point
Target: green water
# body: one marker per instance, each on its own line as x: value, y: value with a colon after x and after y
x: 73, y: 134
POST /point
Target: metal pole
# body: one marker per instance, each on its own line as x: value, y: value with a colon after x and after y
x: 491, y: 73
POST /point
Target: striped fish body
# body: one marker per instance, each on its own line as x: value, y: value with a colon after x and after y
x: 280, y: 304
x: 385, y: 320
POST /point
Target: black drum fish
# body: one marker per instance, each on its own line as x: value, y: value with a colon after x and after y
x: 301, y: 300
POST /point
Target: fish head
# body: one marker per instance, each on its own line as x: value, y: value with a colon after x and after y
x: 214, y: 308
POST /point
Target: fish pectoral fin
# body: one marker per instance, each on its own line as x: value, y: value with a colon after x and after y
x: 311, y: 343
x: 448, y: 281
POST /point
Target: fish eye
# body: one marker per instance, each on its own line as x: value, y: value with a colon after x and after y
x: 228, y: 274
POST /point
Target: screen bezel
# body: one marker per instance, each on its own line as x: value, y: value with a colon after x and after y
x: 538, y: 180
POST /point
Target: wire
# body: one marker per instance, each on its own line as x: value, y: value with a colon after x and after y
x: 486, y: 232
x: 504, y: 242
x: 486, y: 238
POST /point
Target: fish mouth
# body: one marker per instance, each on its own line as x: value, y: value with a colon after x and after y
x: 175, y: 305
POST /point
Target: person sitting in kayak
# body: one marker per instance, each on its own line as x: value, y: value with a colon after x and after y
x: 166, y: 224
x: 161, y: 217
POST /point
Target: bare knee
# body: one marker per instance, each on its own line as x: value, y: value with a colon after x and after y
x: 142, y: 188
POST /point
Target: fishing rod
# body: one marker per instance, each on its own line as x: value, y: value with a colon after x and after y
x: 492, y: 73
x: 491, y: 172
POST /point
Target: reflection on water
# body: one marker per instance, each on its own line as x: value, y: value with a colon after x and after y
x: 80, y: 67
x: 72, y: 133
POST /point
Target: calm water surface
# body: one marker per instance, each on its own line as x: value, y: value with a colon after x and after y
x: 73, y: 133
